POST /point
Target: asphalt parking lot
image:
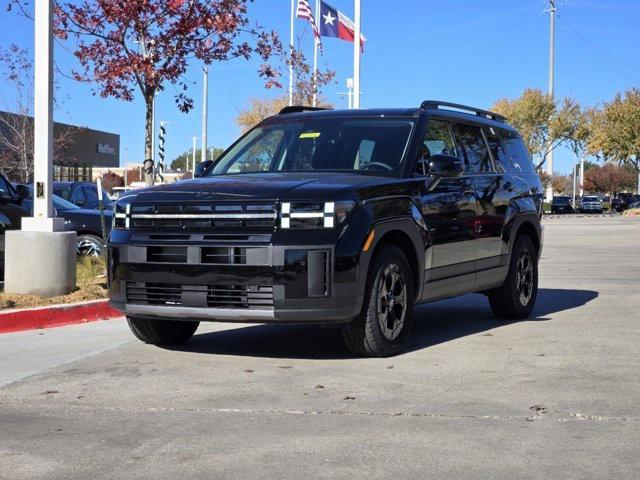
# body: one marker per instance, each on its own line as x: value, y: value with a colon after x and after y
x: 557, y: 396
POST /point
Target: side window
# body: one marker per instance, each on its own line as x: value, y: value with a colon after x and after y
x: 438, y: 140
x: 474, y: 149
x: 77, y: 197
x: 258, y: 157
x: 509, y: 151
x: 91, y: 194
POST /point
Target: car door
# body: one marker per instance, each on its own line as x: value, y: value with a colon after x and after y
x: 77, y: 196
x: 449, y: 210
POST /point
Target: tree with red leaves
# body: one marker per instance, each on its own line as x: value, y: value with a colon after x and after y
x: 145, y: 45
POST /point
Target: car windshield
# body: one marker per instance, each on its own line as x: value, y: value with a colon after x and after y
x: 590, y: 199
x: 376, y: 145
x: 561, y: 200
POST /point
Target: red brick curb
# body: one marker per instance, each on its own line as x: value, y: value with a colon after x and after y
x: 55, y: 315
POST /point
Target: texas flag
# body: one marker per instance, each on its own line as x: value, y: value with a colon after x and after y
x: 334, y: 23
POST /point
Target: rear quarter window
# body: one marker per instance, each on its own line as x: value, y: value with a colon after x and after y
x: 510, y: 152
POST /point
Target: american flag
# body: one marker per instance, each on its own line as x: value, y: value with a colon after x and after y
x: 304, y: 11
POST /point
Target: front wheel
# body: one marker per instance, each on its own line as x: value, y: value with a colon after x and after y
x: 90, y: 245
x: 516, y: 297
x: 162, y: 332
x: 383, y: 326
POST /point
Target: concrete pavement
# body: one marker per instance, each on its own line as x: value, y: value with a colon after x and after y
x: 557, y: 396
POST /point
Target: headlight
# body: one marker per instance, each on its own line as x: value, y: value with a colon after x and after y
x: 122, y: 212
x: 312, y: 215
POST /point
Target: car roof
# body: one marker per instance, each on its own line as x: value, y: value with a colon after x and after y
x: 390, y: 112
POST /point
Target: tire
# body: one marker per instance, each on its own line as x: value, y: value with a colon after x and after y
x: 162, y: 332
x: 90, y: 245
x: 515, y: 299
x: 389, y: 280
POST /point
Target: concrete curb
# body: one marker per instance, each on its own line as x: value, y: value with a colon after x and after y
x: 17, y: 320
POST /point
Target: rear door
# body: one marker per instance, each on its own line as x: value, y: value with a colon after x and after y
x: 449, y: 210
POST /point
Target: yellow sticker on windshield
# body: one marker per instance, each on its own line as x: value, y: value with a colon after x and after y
x: 310, y: 135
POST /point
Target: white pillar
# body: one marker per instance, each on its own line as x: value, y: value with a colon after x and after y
x: 356, y: 55
x: 43, y: 213
x: 205, y: 105
x: 40, y: 259
x: 350, y: 92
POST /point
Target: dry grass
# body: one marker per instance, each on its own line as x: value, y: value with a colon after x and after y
x: 632, y: 212
x: 90, y: 285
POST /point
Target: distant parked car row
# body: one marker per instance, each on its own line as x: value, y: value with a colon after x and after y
x: 587, y: 204
x: 16, y: 202
x: 623, y: 201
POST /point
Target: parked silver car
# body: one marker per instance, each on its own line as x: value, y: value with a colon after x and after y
x: 591, y: 204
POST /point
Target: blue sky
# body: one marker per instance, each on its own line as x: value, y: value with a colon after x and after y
x: 466, y: 51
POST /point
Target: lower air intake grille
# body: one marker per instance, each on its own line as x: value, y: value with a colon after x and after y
x: 209, y: 296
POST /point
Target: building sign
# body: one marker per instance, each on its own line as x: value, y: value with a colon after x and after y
x: 106, y: 149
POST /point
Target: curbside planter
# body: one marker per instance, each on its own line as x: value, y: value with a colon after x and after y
x: 17, y: 320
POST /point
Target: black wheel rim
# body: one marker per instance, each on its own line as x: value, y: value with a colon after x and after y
x: 524, y: 277
x: 88, y: 247
x: 392, y: 302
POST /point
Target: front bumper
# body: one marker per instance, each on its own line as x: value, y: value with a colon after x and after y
x: 232, y: 281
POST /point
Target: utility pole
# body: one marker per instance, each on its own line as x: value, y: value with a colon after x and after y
x: 582, y: 175
x: 205, y: 104
x: 356, y: 55
x: 552, y: 19
x: 348, y: 93
x: 193, y: 158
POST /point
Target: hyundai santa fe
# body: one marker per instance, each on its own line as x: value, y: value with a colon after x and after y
x: 335, y: 217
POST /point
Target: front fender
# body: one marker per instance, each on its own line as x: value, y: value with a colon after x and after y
x: 385, y: 216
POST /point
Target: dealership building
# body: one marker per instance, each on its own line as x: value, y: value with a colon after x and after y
x: 76, y: 148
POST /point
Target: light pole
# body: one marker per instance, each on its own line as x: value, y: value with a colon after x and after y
x: 552, y: 44
x: 205, y: 102
x: 349, y: 92
x: 30, y: 266
x: 193, y: 155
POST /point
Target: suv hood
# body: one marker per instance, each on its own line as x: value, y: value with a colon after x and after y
x: 265, y: 186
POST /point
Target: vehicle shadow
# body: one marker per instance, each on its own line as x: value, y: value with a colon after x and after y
x: 435, y: 323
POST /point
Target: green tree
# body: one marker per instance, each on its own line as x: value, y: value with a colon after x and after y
x: 542, y: 124
x: 616, y: 130
x: 183, y: 162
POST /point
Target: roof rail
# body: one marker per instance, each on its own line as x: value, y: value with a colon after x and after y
x: 436, y: 104
x: 300, y: 108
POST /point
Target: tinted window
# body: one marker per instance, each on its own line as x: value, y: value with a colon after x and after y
x: 509, y: 151
x: 438, y: 140
x: 474, y: 149
x: 91, y: 194
x: 61, y: 192
x: 339, y: 143
x: 77, y: 197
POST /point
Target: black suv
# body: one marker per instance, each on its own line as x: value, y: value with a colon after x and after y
x: 561, y: 204
x: 345, y: 217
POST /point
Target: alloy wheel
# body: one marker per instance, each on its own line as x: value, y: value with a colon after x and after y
x: 524, y: 277
x: 392, y: 302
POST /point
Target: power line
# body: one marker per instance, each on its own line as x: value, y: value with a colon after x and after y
x: 621, y: 68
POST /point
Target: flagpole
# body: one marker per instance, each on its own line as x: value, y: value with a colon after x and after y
x: 291, y: 39
x: 356, y: 56
x: 316, y: 42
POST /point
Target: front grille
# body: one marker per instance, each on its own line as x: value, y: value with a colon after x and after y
x: 168, y: 254
x: 210, y: 296
x: 219, y: 216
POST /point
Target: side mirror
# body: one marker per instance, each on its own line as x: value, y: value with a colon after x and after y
x: 202, y: 168
x: 445, y: 166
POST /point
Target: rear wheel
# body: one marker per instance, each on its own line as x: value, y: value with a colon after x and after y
x: 162, y: 332
x: 516, y: 297
x: 383, y: 326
